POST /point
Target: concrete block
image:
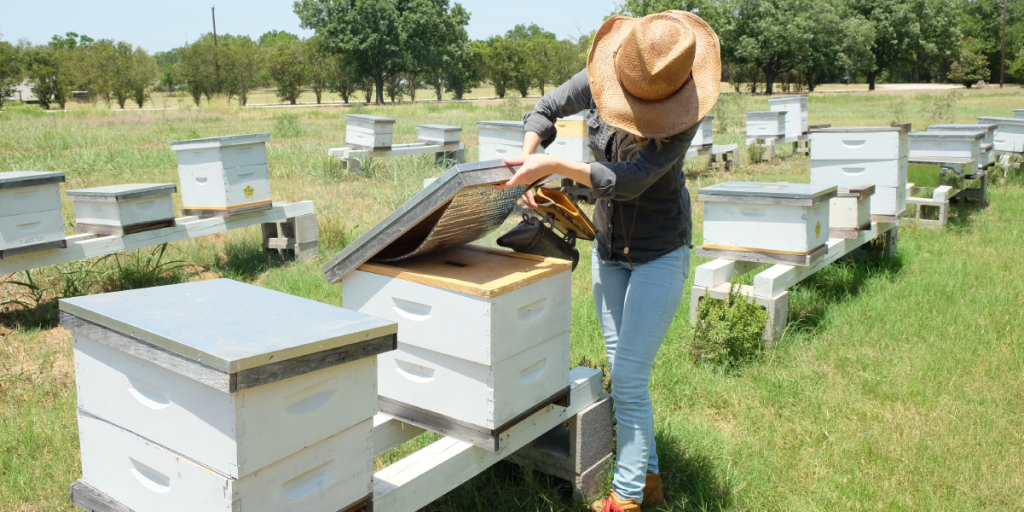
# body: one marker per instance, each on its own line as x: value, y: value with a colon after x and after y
x: 777, y: 308
x: 305, y: 228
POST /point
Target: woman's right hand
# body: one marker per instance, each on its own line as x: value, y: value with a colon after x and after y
x: 528, y: 199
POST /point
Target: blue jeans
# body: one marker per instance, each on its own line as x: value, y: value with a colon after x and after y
x: 636, y: 306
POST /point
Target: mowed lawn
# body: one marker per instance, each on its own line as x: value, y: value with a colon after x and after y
x: 898, y: 386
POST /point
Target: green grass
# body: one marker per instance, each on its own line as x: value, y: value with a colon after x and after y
x: 897, y: 386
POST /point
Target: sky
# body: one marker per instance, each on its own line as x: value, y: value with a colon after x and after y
x: 161, y: 26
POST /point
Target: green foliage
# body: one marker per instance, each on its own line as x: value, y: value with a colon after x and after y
x: 319, y: 66
x: 288, y: 68
x: 728, y: 332
x: 11, y: 71
x: 144, y: 268
x: 51, y: 74
x: 243, y: 64
x: 969, y: 69
x: 339, y: 78
x: 276, y: 37
x: 942, y: 108
x: 196, y: 68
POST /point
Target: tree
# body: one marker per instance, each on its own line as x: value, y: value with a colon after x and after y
x: 288, y: 69
x: 121, y: 73
x: 897, y: 33
x: 275, y: 37
x: 395, y: 87
x: 166, y: 61
x: 366, y: 85
x: 339, y: 78
x: 70, y: 41
x: 771, y: 35
x: 435, y: 34
x: 462, y: 69
x: 243, y: 63
x: 196, y: 67
x: 145, y: 73
x: 505, y: 66
x: 318, y: 68
x: 11, y: 72
x: 538, y: 49
x: 51, y: 74
x: 969, y: 69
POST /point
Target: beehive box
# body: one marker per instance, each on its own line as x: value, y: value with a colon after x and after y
x: 223, y: 176
x: 860, y: 144
x: 987, y: 155
x: 705, y: 133
x: 761, y: 125
x: 233, y: 376
x: 123, y: 209
x: 850, y: 211
x: 143, y: 475
x: 501, y: 139
x: 571, y: 141
x: 946, y: 144
x: 438, y: 134
x: 368, y: 132
x: 1009, y: 134
x: 1018, y: 113
x: 797, y: 117
x: 30, y: 212
x: 782, y: 218
x: 485, y: 332
x: 853, y: 156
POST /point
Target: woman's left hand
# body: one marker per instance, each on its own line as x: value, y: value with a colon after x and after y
x: 532, y: 168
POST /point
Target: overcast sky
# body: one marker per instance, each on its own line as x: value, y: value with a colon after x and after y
x: 160, y: 26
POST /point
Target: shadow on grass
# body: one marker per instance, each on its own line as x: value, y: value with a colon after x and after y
x: 508, y: 487
x: 689, y: 479
x: 245, y: 260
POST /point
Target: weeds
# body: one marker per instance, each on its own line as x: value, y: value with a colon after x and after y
x: 898, y: 109
x: 728, y: 332
x: 942, y: 109
x: 137, y: 269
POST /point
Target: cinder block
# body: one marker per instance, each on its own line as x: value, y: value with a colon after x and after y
x: 305, y: 228
x: 777, y: 307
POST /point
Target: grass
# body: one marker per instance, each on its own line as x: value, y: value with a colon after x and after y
x: 898, y: 385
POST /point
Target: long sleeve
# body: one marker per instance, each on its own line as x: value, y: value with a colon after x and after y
x: 624, y: 181
x: 568, y: 99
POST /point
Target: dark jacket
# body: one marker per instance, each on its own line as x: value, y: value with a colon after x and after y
x: 644, y: 200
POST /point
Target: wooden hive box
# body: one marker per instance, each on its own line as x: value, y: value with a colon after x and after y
x: 235, y: 377
x: 781, y: 218
x: 946, y: 144
x: 797, y: 117
x: 571, y: 142
x: 223, y: 176
x: 501, y: 139
x: 30, y: 212
x: 123, y: 209
x: 438, y: 134
x: 705, y: 132
x: 766, y: 125
x: 485, y: 336
x: 368, y: 132
x: 988, y: 131
x: 1009, y: 134
x: 850, y: 211
x: 862, y: 155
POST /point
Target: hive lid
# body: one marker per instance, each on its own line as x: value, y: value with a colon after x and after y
x: 966, y: 127
x: 227, y: 325
x: 125, y: 192
x: 782, y: 99
x: 220, y: 142
x: 902, y: 128
x: 22, y: 179
x: 440, y: 127
x: 370, y: 119
x: 502, y: 125
x: 768, y: 113
x: 859, y: 191
x: 950, y: 135
x: 795, y: 194
x: 459, y: 207
x: 1001, y: 120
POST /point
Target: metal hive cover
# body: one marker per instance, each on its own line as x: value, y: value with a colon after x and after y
x: 1001, y: 121
x: 966, y: 127
x: 459, y: 207
x: 768, y: 193
x: 21, y: 179
x: 950, y: 134
x: 219, y: 142
x: 117, y: 193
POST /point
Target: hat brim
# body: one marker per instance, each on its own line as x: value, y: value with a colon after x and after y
x: 654, y: 119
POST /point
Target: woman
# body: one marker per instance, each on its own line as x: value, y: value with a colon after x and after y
x: 647, y: 84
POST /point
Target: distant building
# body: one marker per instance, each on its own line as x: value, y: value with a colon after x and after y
x: 23, y: 92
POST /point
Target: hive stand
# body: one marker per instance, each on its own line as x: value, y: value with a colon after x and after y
x: 770, y: 285
x: 355, y: 158
x: 801, y: 143
x: 81, y: 247
x: 422, y: 477
x: 296, y: 238
x: 942, y: 195
x: 720, y: 155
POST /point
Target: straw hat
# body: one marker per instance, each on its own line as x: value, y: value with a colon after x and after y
x: 655, y: 76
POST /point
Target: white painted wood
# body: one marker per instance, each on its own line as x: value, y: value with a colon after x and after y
x: 389, y: 433
x: 220, y: 158
x: 923, y: 144
x: 771, y: 227
x: 416, y: 148
x: 1018, y: 113
x: 124, y: 213
x: 440, y: 135
x: 469, y: 327
x: 766, y: 124
x: 721, y: 271
x: 1007, y: 137
x: 143, y: 475
x: 487, y: 396
x: 714, y: 150
x: 943, y: 193
x: 82, y: 247
x: 30, y: 229
x: 779, y: 278
x: 797, y: 112
x: 851, y: 173
x: 889, y: 200
x: 369, y: 131
x: 19, y: 201
x: 235, y: 434
x: 570, y: 148
x: 705, y: 132
x: 859, y: 146
x: 226, y: 188
x: 849, y: 212
x: 415, y: 481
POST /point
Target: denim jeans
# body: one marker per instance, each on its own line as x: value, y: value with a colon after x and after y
x: 636, y: 305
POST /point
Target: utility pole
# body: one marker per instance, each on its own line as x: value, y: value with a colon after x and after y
x: 1002, y: 60
x: 216, y: 61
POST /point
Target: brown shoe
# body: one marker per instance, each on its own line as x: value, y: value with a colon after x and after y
x: 613, y: 504
x: 653, y: 493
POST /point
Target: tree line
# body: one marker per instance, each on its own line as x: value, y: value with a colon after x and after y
x: 388, y: 49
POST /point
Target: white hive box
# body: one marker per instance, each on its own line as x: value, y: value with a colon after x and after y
x: 368, y: 132
x: 30, y: 212
x: 946, y: 144
x: 1009, y: 133
x: 705, y: 133
x: 233, y: 376
x: 860, y: 144
x: 796, y: 107
x: 1018, y: 113
x: 501, y: 139
x: 571, y: 141
x: 142, y: 475
x: 438, y: 134
x: 850, y: 211
x: 223, y: 176
x: 854, y: 156
x: 783, y: 218
x: 486, y: 331
x: 766, y: 125
x: 123, y: 209
x: 987, y: 141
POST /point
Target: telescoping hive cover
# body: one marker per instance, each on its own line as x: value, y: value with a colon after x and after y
x: 459, y: 207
